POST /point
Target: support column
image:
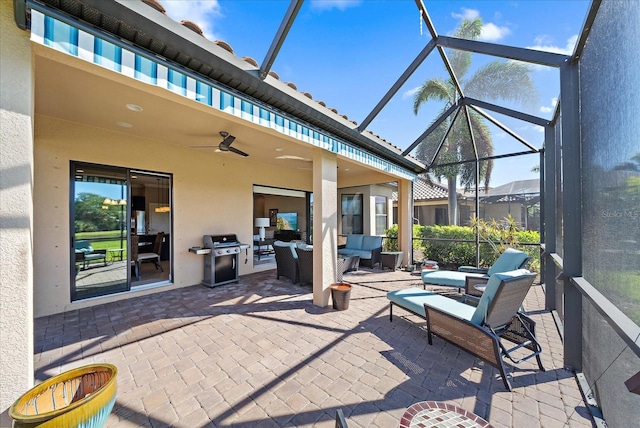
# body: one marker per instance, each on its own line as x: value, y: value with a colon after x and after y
x: 325, y: 224
x: 571, y: 213
x: 405, y: 220
x: 548, y: 174
x: 16, y: 205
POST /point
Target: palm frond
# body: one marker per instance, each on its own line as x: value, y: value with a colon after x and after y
x: 505, y: 80
x: 461, y: 60
x: 432, y: 89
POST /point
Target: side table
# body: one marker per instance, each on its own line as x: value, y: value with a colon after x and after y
x: 262, y: 243
x: 391, y: 259
x: 112, y: 253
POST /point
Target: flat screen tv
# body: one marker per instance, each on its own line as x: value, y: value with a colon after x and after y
x: 287, y: 221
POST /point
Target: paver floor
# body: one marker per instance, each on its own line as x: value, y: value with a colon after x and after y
x: 260, y: 354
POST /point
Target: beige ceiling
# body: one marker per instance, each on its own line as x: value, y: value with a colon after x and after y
x: 74, y: 90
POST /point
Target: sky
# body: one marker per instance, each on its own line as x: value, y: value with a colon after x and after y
x: 348, y: 53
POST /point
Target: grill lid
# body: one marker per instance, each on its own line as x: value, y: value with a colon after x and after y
x: 218, y: 241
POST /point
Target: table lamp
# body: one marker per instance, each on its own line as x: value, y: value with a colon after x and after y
x: 262, y: 222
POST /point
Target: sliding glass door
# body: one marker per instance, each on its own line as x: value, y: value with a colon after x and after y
x: 112, y: 209
x: 99, y: 241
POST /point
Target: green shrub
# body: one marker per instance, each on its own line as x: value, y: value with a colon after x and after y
x: 438, y: 243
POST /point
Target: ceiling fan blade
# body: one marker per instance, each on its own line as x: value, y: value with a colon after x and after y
x: 228, y: 140
x: 238, y: 152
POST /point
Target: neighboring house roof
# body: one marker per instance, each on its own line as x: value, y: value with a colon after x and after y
x: 145, y: 25
x: 515, y: 190
x: 519, y: 190
x: 516, y: 187
x: 423, y: 191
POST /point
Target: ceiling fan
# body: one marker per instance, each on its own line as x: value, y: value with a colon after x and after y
x: 225, y: 145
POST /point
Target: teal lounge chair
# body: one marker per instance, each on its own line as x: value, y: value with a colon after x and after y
x: 480, y: 330
x: 510, y: 259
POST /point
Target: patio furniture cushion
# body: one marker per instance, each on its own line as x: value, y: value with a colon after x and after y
x: 414, y: 299
x: 370, y: 243
x: 290, y: 245
x: 510, y: 259
x: 492, y: 286
x: 354, y: 242
x: 450, y: 278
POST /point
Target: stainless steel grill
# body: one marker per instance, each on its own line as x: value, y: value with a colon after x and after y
x: 221, y: 264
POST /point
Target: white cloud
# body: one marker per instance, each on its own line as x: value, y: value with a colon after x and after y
x: 543, y: 43
x: 334, y: 4
x: 466, y: 14
x: 410, y: 93
x: 202, y: 12
x: 491, y: 32
x: 551, y: 108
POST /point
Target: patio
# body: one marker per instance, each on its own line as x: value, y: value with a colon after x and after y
x: 259, y: 353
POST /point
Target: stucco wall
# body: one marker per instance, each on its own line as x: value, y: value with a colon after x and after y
x: 16, y: 160
x: 213, y: 193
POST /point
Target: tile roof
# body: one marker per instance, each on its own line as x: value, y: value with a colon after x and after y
x: 423, y: 191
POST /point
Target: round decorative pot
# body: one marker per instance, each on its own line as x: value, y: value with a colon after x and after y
x: 340, y: 294
x: 81, y: 397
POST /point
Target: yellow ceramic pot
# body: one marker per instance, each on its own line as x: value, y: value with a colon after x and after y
x: 82, y: 397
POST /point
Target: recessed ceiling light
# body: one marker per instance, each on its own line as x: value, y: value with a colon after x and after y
x: 134, y: 107
x: 279, y: 149
x: 347, y: 169
x: 124, y: 124
x: 79, y: 170
x: 134, y: 176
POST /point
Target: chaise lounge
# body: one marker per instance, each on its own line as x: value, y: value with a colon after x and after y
x: 479, y: 330
x: 510, y: 259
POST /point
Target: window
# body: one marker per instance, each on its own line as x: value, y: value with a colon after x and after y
x: 381, y: 215
x: 351, y: 214
x: 441, y: 216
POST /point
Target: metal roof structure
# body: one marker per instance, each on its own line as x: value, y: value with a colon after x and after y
x: 144, y: 25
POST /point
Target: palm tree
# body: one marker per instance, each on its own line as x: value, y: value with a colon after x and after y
x: 506, y: 80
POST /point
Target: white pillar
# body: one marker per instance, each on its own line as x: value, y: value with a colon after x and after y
x: 405, y: 219
x: 325, y: 224
x: 16, y: 208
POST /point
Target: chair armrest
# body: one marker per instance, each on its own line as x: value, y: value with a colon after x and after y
x: 472, y: 338
x: 376, y: 257
x: 99, y: 252
x: 470, y: 299
x: 472, y: 269
x: 470, y: 283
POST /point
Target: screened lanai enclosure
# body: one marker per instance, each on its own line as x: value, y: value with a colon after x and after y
x: 589, y: 178
x: 589, y: 182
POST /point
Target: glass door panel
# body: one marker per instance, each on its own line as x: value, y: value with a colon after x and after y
x: 150, y: 228
x: 99, y: 247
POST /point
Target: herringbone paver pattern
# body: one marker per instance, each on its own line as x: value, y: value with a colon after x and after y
x: 260, y: 354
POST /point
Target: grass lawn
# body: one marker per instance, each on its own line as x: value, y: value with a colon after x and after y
x: 105, y: 240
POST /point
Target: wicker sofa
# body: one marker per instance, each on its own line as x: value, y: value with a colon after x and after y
x: 367, y: 247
